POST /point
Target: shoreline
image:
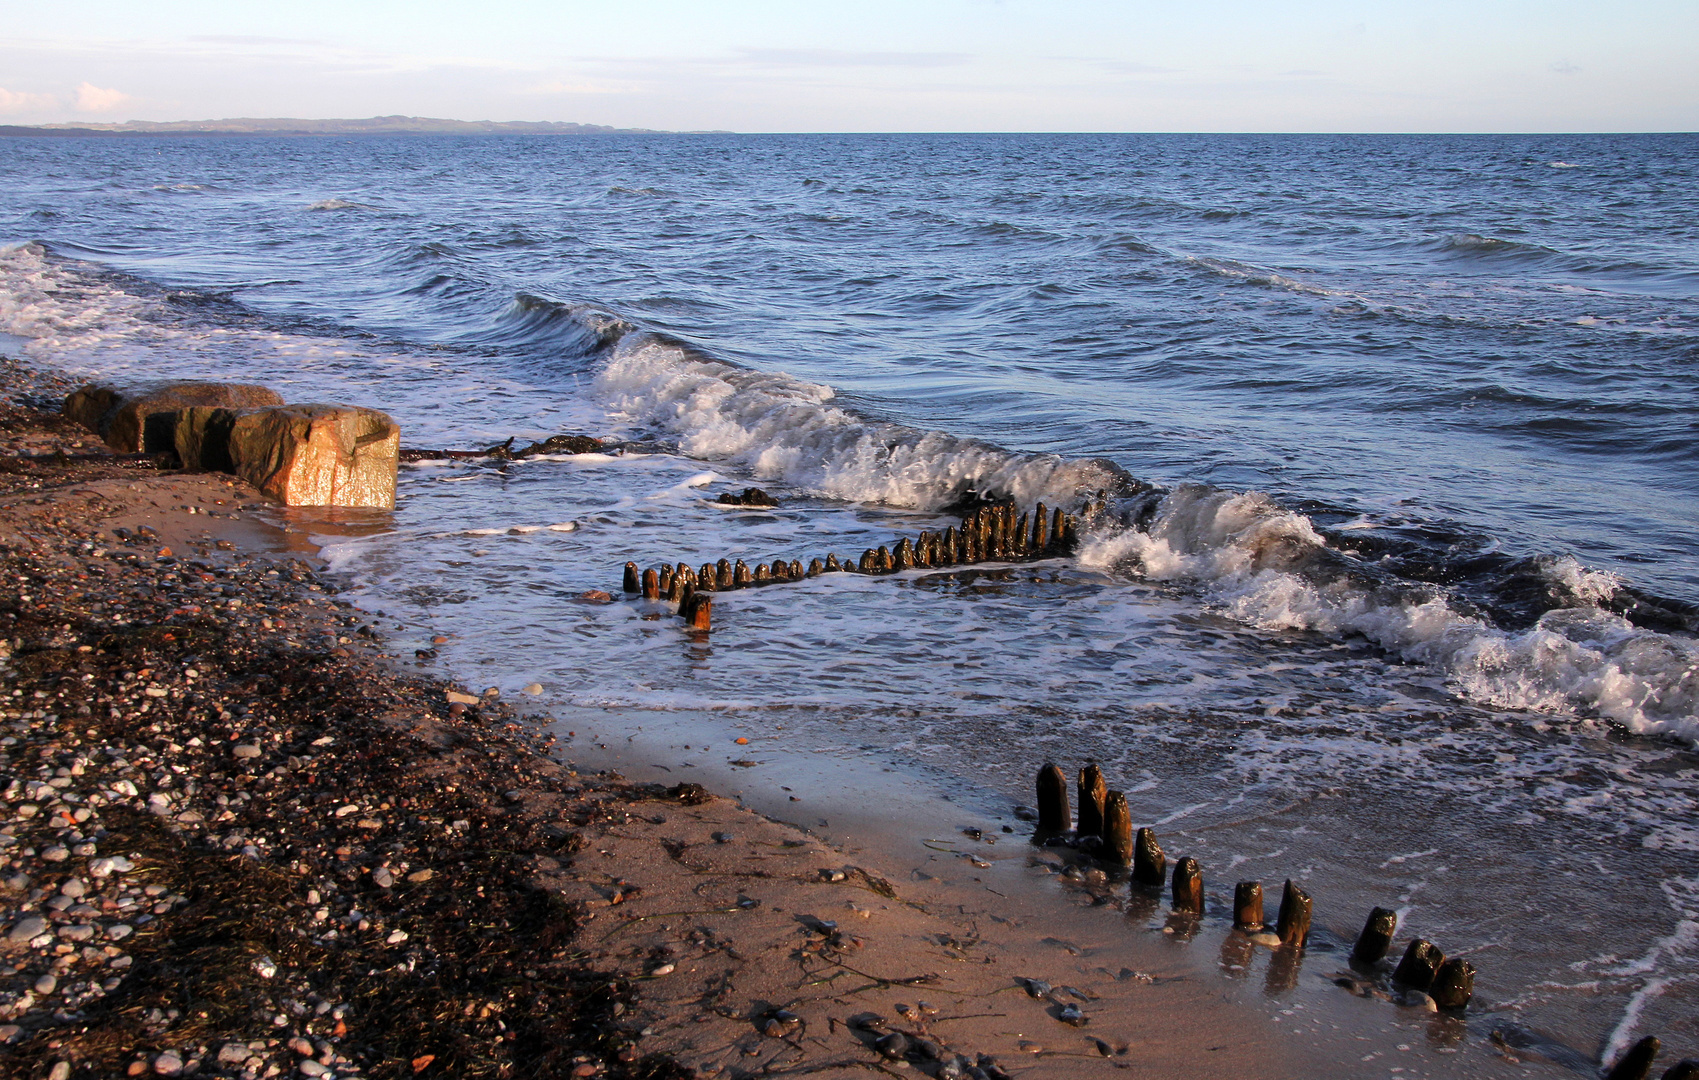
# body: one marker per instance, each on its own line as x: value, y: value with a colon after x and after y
x: 571, y: 848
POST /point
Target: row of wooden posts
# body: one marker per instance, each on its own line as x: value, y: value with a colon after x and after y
x: 990, y: 534
x: 1105, y: 814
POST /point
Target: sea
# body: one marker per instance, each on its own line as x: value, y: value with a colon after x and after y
x: 1385, y: 451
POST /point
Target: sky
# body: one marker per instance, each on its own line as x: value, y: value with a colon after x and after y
x: 871, y: 65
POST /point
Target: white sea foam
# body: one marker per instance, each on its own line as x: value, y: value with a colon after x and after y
x: 1249, y: 553
x: 784, y: 429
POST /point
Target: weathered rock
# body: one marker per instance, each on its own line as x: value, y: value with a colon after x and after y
x: 561, y: 444
x: 318, y: 455
x: 1636, y: 1064
x: 144, y: 420
x: 750, y: 497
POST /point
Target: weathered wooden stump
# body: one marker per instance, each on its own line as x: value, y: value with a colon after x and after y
x: 741, y: 577
x: 815, y: 568
x: 1247, y: 906
x: 633, y: 581
x: 1092, y: 792
x: 1420, y: 964
x: 1150, y: 864
x: 832, y: 565
x: 1685, y: 1069
x: 1453, y: 985
x: 698, y: 611
x: 1117, y: 829
x: 1636, y: 1062
x: 1188, y: 886
x: 651, y: 585
x: 1293, y: 924
x: 1376, y: 937
x: 1040, y: 531
x: 1053, y: 813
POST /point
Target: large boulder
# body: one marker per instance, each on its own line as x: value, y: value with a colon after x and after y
x: 143, y: 420
x: 312, y: 455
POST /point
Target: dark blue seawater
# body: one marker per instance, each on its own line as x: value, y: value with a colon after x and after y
x: 1399, y: 438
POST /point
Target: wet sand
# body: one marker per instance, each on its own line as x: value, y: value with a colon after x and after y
x: 323, y: 864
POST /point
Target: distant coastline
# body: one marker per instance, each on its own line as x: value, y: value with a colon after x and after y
x: 376, y: 125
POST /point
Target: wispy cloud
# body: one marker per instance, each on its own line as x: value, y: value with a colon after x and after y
x: 1564, y: 67
x: 842, y: 58
x: 252, y: 39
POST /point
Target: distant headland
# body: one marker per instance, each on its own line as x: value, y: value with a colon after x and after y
x: 376, y: 125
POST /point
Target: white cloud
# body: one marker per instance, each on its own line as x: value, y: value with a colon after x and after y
x: 16, y: 102
x: 92, y: 98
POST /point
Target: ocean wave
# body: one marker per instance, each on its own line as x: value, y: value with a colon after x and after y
x: 784, y: 429
x: 1270, y: 567
x: 342, y: 204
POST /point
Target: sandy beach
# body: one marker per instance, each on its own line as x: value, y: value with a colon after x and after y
x: 245, y: 838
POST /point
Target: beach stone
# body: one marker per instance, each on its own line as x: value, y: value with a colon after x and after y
x: 419, y: 876
x: 78, y: 932
x: 534, y: 689
x: 46, y: 984
x: 234, y: 1053
x: 119, y: 931
x: 457, y: 698
x: 9, y: 1032
x: 382, y: 878
x: 318, y: 455
x: 74, y: 888
x: 56, y: 853
x: 61, y: 1071
x: 245, y: 751
x: 168, y: 1064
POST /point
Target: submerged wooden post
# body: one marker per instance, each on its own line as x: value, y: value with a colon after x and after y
x: 1636, y: 1063
x: 832, y: 565
x: 698, y: 611
x: 1421, y: 962
x: 679, y: 585
x: 651, y: 585
x: 1150, y: 865
x: 1188, y: 886
x: 1040, y: 534
x: 1247, y: 905
x: 1053, y: 813
x: 724, y: 578
x: 1117, y: 828
x: 741, y: 577
x: 1453, y: 985
x: 706, y: 578
x: 1293, y: 926
x: 869, y: 563
x: 1685, y: 1069
x: 664, y: 580
x: 1092, y: 791
x: 1057, y: 519
x: 632, y: 578
x: 947, y: 548
x: 1376, y: 937
x: 815, y: 569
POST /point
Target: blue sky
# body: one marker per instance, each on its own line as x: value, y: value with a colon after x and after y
x: 923, y: 65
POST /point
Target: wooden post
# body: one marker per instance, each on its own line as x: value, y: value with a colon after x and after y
x: 1150, y: 865
x: 814, y: 568
x: 1376, y: 937
x: 675, y: 593
x: 1294, y: 922
x: 1053, y: 813
x: 832, y: 564
x: 1685, y: 1069
x: 763, y: 575
x: 632, y: 578
x: 651, y: 585
x: 706, y: 578
x: 664, y: 580
x: 1454, y: 984
x: 1636, y: 1064
x: 1019, y: 540
x: 947, y: 556
x: 1117, y: 828
x: 902, y: 557
x: 1092, y: 792
x: 869, y: 562
x: 796, y: 570
x: 724, y: 577
x: 699, y: 611
x: 741, y: 577
x: 1057, y: 519
x: 1247, y: 906
x: 1040, y: 531
x: 1421, y: 962
x: 1188, y: 886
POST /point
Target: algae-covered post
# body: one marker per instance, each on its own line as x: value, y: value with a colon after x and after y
x: 1053, y: 813
x: 1188, y: 886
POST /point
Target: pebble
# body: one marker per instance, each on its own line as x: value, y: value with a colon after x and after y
x: 168, y: 1064
x: 30, y: 926
x: 309, y: 1067
x: 533, y: 688
x: 664, y: 969
x: 382, y: 878
x: 56, y: 853
x: 106, y: 867
x: 457, y: 698
x: 396, y: 937
x: 8, y: 1032
x: 46, y: 984
x: 74, y: 888
x: 61, y: 1071
x: 119, y: 931
x: 302, y: 1047
x: 892, y: 1046
x: 421, y: 875
x: 234, y: 1053
x: 244, y: 751
x: 79, y: 932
